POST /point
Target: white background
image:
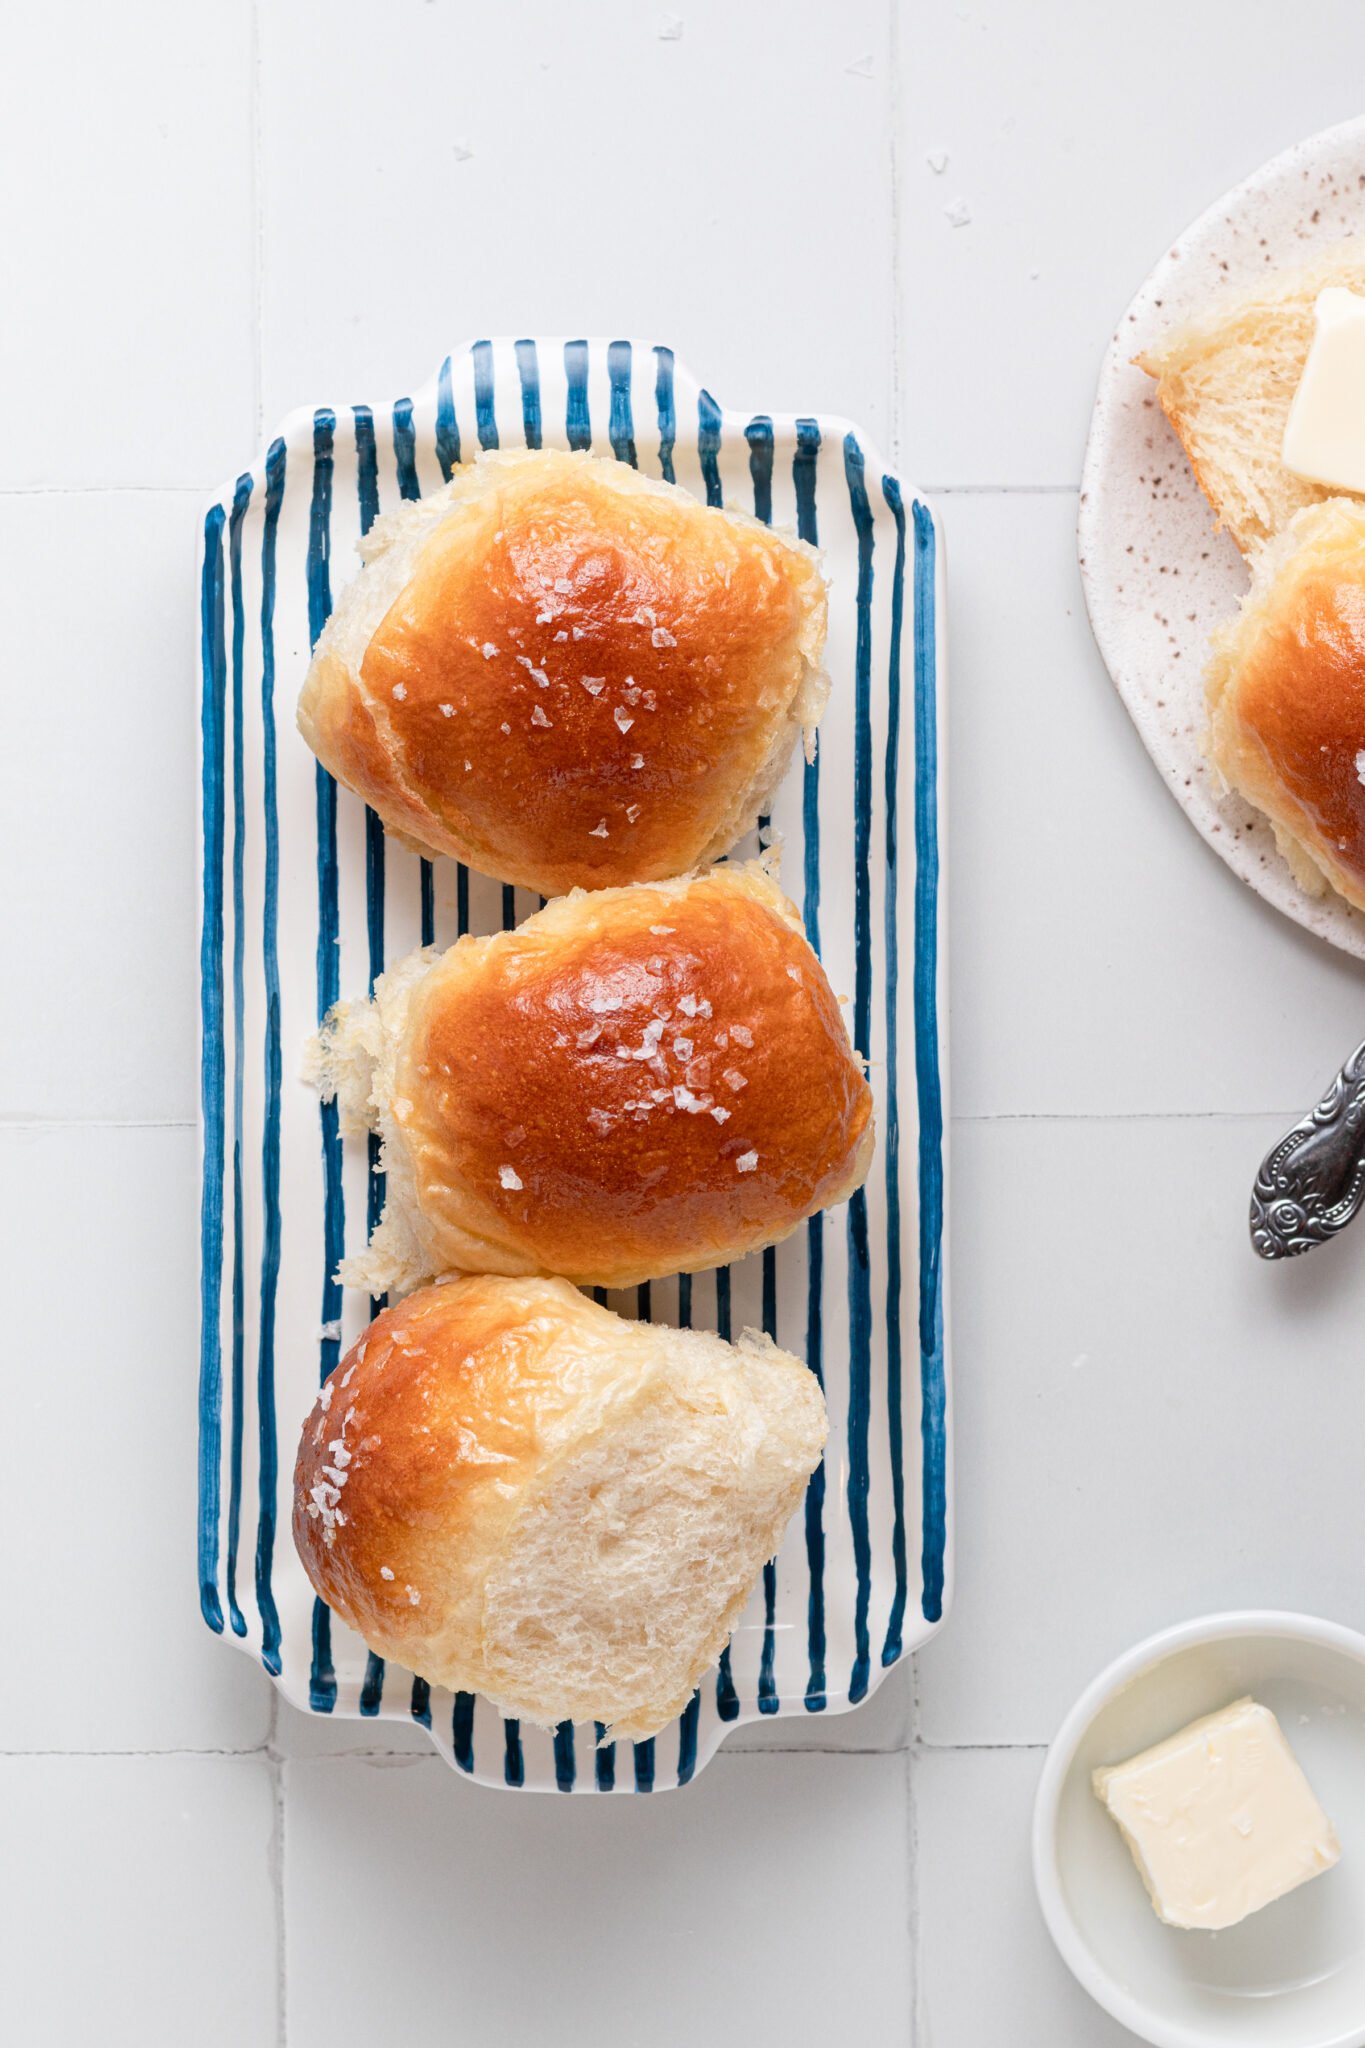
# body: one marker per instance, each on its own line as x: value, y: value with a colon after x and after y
x: 213, y: 213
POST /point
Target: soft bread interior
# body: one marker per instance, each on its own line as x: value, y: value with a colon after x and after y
x: 630, y: 1559
x: 351, y: 1061
x: 1226, y: 380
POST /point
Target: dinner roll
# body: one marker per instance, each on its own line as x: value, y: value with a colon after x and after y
x: 567, y: 674
x: 634, y: 1082
x: 1226, y: 380
x: 1286, y: 695
x: 512, y: 1491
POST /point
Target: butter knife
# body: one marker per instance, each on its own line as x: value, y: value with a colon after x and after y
x: 1313, y: 1181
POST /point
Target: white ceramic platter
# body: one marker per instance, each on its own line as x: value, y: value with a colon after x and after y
x: 1157, y: 577
x: 304, y: 899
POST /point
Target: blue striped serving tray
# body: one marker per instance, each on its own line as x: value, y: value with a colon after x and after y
x: 304, y: 898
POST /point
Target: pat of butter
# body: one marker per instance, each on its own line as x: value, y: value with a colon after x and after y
x: 1324, y: 436
x: 1220, y: 1818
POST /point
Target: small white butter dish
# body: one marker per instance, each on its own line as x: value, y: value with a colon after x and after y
x: 1290, y: 1975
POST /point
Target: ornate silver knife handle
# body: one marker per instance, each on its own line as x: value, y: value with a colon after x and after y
x: 1312, y: 1183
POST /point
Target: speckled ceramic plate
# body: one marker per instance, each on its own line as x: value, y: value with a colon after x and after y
x: 1157, y: 577
x: 305, y: 898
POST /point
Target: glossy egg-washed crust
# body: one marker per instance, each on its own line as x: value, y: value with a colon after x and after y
x: 633, y: 1083
x: 584, y: 677
x: 429, y: 1466
x: 1287, y: 695
x: 426, y: 1432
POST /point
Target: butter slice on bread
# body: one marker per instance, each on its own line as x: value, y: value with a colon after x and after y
x: 1226, y: 380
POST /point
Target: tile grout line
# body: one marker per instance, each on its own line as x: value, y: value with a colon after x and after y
x: 925, y: 1747
x: 1003, y: 490
x: 893, y: 45
x: 257, y: 1750
x: 203, y: 490
x: 988, y: 1116
x: 276, y: 1762
x: 1124, y: 1116
x: 258, y: 230
x: 98, y: 1123
x: 918, y: 2031
x: 105, y: 490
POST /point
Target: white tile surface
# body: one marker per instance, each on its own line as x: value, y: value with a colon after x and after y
x: 125, y: 151
x: 97, y: 805
x: 1151, y: 1423
x: 1103, y: 959
x: 700, y: 189
x: 775, y: 1889
x: 138, y: 1906
x: 987, y: 1972
x: 97, y: 1458
x: 1081, y: 141
x: 728, y: 188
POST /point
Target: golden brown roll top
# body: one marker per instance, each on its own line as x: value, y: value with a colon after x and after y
x: 633, y: 1083
x: 567, y: 674
x: 512, y: 1491
x: 1286, y: 690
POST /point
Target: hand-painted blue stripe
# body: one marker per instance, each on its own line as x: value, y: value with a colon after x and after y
x: 891, y: 1139
x: 727, y: 1700
x: 859, y: 1263
x: 405, y: 449
x: 240, y: 499
x: 604, y: 1760
x: 759, y: 435
x: 372, y: 1685
x: 513, y: 1762
x: 565, y: 1771
x: 933, y: 1393
x: 665, y: 407
x: 804, y: 465
x: 708, y: 446
x: 367, y: 491
x: 577, y: 424
x: 213, y: 669
x: 267, y: 1448
x: 644, y: 1766
x: 684, y: 1301
x: 815, y: 1695
x: 421, y: 1702
x: 462, y: 1730
x: 322, y: 1677
x: 621, y: 426
x: 642, y: 1302
x: 804, y: 469
x: 447, y: 427
x: 366, y: 466
x: 687, y: 1739
x: 768, y: 1700
x: 485, y: 408
x: 461, y: 902
x: 528, y: 369
x: 509, y: 907
x: 426, y: 882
